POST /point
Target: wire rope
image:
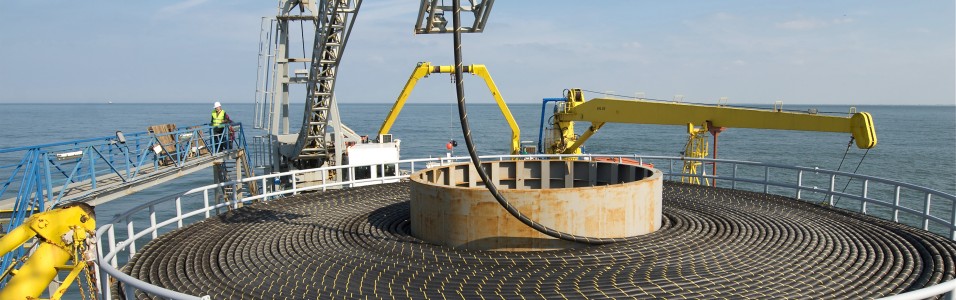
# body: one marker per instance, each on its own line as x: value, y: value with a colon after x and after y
x: 851, y: 179
x: 841, y: 160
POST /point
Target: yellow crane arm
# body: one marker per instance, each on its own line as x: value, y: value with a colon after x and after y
x: 424, y: 69
x: 60, y: 232
x: 600, y: 110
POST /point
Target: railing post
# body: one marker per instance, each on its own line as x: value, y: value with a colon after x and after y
x: 126, y: 161
x: 49, y: 180
x: 111, y: 238
x: 152, y: 219
x: 295, y: 189
x: 766, y: 179
x: 92, y: 168
x: 263, y: 190
x: 179, y: 212
x: 929, y: 198
x: 205, y: 201
x: 896, y: 205
x: 863, y: 202
x: 98, y: 274
x: 129, y: 291
x: 733, y: 185
x: 832, y: 187
x: 129, y: 236
x: 952, y: 228
x: 103, y: 291
x: 799, y: 183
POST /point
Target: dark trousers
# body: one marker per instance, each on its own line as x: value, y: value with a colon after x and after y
x: 220, y: 140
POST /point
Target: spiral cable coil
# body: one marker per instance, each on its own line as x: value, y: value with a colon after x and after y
x: 714, y: 243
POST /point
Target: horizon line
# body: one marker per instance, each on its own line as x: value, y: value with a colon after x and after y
x: 452, y: 103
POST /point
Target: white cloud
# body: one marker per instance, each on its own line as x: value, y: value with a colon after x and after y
x: 804, y: 24
x: 809, y: 24
x: 179, y: 7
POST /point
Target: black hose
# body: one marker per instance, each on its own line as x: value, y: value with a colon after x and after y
x: 466, y: 131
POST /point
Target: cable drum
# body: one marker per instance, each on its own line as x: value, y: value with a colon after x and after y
x: 713, y: 243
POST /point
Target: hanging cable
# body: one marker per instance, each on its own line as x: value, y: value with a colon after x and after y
x: 851, y: 179
x: 842, y: 159
x: 476, y: 163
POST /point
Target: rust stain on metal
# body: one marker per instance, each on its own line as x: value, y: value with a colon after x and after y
x: 465, y: 215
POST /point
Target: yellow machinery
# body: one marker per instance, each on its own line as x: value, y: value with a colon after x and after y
x: 63, y: 234
x: 696, y: 147
x: 424, y: 69
x: 715, y: 119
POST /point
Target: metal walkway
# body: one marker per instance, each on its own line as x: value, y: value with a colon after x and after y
x: 99, y: 170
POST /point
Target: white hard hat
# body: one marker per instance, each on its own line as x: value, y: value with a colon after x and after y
x: 216, y: 104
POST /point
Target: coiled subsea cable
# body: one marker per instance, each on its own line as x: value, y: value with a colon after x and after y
x: 714, y: 243
x: 466, y: 131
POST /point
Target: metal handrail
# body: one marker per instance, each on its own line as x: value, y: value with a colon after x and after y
x: 47, y: 173
x: 110, y: 268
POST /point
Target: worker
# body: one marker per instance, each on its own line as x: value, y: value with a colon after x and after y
x: 219, y: 121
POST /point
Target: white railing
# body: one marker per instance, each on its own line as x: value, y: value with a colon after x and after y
x: 797, y: 182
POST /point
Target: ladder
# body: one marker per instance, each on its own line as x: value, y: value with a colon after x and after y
x: 331, y: 36
x: 230, y: 169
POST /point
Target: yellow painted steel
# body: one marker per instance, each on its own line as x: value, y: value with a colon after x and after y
x: 600, y: 110
x: 424, y: 69
x: 696, y: 147
x: 584, y: 137
x: 564, y: 137
x: 75, y: 222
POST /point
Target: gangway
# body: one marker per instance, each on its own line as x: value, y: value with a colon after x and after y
x: 99, y: 170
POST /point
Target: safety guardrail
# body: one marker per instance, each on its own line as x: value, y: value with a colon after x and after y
x: 49, y: 174
x: 889, y: 199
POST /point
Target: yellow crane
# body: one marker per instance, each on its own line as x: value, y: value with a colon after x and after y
x: 423, y: 69
x: 715, y: 118
x: 63, y: 234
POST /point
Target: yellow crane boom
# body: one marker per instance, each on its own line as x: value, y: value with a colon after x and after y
x: 424, y: 69
x: 63, y: 234
x: 600, y: 111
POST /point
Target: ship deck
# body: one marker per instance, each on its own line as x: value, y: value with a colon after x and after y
x: 714, y: 243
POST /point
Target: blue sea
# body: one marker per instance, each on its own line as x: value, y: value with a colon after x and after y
x: 917, y: 144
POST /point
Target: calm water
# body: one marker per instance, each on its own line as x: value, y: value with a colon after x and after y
x: 917, y: 144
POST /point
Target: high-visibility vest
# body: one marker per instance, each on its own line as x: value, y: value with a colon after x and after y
x: 217, y: 118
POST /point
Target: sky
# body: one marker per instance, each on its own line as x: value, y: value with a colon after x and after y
x: 195, y: 51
